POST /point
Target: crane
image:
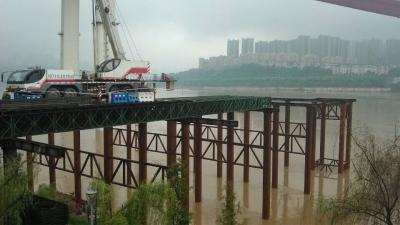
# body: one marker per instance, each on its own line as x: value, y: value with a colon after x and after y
x: 113, y: 72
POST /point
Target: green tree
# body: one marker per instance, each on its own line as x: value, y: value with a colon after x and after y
x: 230, y: 208
x: 47, y: 191
x: 104, y: 210
x: 151, y: 204
x: 177, y: 180
x: 14, y: 192
x: 373, y: 195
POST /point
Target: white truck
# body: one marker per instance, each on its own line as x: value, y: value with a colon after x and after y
x: 112, y: 76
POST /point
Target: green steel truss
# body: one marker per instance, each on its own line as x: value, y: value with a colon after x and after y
x: 18, y: 122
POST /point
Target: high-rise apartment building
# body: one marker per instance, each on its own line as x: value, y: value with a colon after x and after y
x: 261, y: 47
x: 232, y: 48
x: 247, y: 46
x: 393, y: 52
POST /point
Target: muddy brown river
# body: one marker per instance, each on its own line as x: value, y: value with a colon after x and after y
x: 380, y: 111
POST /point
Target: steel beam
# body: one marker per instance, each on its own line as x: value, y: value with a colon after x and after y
x: 314, y: 137
x: 197, y: 161
x: 36, y: 147
x: 142, y: 153
x: 322, y: 135
x: 171, y: 143
x: 108, y: 154
x: 129, y: 150
x: 29, y: 167
x: 275, y: 147
x: 17, y: 122
x: 230, y: 152
x: 349, y: 133
x: 185, y: 145
x: 52, y: 163
x: 219, y: 147
x: 246, y: 148
x: 266, y: 203
x: 77, y: 165
x: 342, y: 135
x: 287, y: 135
x: 210, y: 121
x: 307, y: 159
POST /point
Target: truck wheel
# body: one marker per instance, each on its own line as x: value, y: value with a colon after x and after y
x: 70, y: 92
x: 53, y: 93
x: 114, y: 88
x: 127, y: 87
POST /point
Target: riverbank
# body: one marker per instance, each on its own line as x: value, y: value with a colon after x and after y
x: 264, y: 76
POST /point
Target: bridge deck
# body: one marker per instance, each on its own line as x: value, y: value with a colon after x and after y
x: 19, y: 119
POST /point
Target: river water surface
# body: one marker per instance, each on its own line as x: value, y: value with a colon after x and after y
x: 380, y: 111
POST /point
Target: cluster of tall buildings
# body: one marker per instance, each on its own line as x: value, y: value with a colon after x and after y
x: 342, y: 56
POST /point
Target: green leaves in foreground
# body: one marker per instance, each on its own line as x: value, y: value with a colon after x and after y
x: 104, y: 205
x: 13, y: 192
x: 155, y: 204
x: 230, y: 208
x: 151, y: 204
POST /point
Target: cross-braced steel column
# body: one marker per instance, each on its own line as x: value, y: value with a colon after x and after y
x: 185, y: 145
x: 171, y: 143
x: 342, y: 136
x: 267, y: 165
x: 142, y: 153
x: 307, y: 160
x: 246, y: 148
x: 322, y: 137
x: 275, y: 143
x: 77, y: 165
x: 230, y: 152
x: 29, y: 167
x: 287, y: 134
x: 129, y: 150
x: 348, y: 134
x: 108, y: 154
x: 52, y: 163
x: 197, y: 160
x: 219, y: 146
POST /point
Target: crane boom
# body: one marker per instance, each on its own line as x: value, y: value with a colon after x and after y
x: 110, y: 26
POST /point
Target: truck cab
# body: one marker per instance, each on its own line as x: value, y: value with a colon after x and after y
x: 120, y: 69
x: 35, y: 80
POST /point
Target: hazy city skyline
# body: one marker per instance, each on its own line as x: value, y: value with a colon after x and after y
x: 174, y: 34
x: 366, y: 51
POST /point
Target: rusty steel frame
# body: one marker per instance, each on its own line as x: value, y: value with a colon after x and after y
x: 267, y: 141
x: 91, y: 167
x: 158, y: 144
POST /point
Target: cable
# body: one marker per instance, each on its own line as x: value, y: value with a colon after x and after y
x: 126, y: 39
x: 129, y: 33
x: 119, y: 15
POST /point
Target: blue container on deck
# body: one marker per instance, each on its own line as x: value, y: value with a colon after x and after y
x: 123, y: 97
x: 27, y: 96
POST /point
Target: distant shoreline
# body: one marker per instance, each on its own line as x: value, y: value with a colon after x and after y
x: 305, y: 89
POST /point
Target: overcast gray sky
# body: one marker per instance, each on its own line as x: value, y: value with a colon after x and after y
x: 173, y: 34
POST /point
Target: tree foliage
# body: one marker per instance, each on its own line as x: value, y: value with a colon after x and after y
x: 14, y: 192
x: 47, y: 191
x: 181, y: 215
x: 373, y: 195
x: 230, y: 208
x: 151, y: 204
x: 253, y: 75
x: 104, y: 205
